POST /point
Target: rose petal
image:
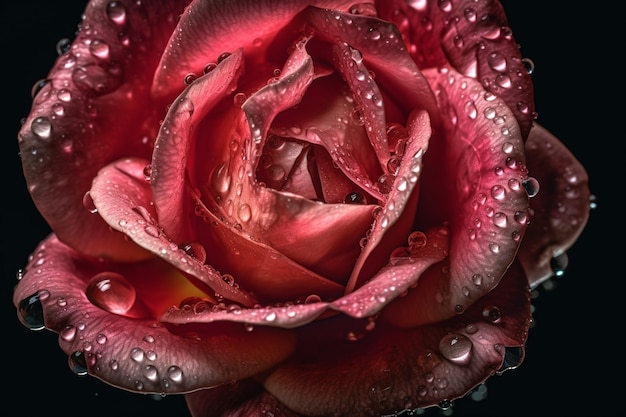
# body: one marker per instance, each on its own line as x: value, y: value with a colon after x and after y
x: 136, y: 353
x: 476, y: 175
x: 240, y: 399
x: 378, y: 43
x: 388, y: 284
x: 207, y: 29
x: 380, y: 370
x: 399, y: 208
x: 472, y: 36
x: 560, y: 209
x: 94, y: 94
x: 175, y: 140
x: 123, y: 198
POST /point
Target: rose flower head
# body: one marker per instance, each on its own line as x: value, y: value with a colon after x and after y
x: 329, y: 208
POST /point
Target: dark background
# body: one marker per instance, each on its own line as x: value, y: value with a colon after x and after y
x: 575, y: 354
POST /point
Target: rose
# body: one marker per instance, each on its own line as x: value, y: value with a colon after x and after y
x: 104, y: 273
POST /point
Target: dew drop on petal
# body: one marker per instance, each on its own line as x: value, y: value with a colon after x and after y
x: 31, y: 312
x: 531, y: 185
x: 492, y: 314
x: 41, y: 127
x: 116, y: 12
x: 559, y: 264
x: 77, y: 363
x: 111, y: 292
x: 456, y: 348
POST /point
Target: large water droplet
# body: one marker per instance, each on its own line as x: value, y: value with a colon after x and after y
x: 111, y: 292
x: 531, y: 185
x: 456, y: 348
x: 77, y: 363
x: 31, y: 312
x: 116, y: 12
x: 41, y: 127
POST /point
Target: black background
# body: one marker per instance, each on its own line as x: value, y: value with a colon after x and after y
x: 575, y: 354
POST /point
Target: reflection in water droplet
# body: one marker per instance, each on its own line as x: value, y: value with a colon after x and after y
x: 456, y: 348
x: 31, y: 312
x: 111, y: 292
x: 531, y: 185
x: 492, y: 314
x: 77, y: 363
x: 559, y: 263
x: 41, y: 127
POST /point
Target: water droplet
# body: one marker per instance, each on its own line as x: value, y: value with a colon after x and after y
x: 497, y: 192
x: 111, y: 292
x: 500, y: 219
x: 31, y: 312
x: 151, y: 373
x: 116, y: 12
x: 88, y: 203
x: 137, y: 354
x: 68, y: 333
x: 195, y: 250
x: 313, y: 298
x: 497, y: 62
x: 175, y: 374
x: 63, y: 45
x: 531, y: 185
x: 244, y: 212
x: 492, y: 314
x: 99, y: 49
x: 37, y: 87
x: 559, y: 263
x: 41, y: 127
x: 355, y: 198
x: 477, y: 279
x: 189, y: 78
x: 77, y: 363
x: 456, y: 348
x: 529, y: 65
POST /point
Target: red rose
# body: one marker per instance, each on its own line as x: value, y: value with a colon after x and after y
x: 323, y: 210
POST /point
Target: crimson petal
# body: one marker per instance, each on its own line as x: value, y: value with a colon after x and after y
x: 384, y: 370
x: 473, y: 37
x: 136, y: 353
x: 209, y: 28
x: 123, y: 197
x: 94, y: 95
x: 560, y: 209
x: 169, y: 168
x: 388, y: 284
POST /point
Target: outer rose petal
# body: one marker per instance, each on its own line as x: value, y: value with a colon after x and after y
x: 138, y: 354
x: 209, y: 28
x: 473, y: 37
x: 384, y: 370
x: 95, y: 94
x: 473, y: 179
x: 560, y: 209
x: 123, y: 198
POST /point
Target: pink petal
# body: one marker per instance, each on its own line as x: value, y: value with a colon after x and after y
x: 169, y: 168
x: 378, y: 43
x: 473, y: 179
x: 397, y: 216
x: 391, y: 282
x: 94, y: 95
x: 136, y: 353
x: 560, y: 209
x: 380, y: 370
x: 207, y: 29
x: 123, y: 198
x: 474, y: 38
